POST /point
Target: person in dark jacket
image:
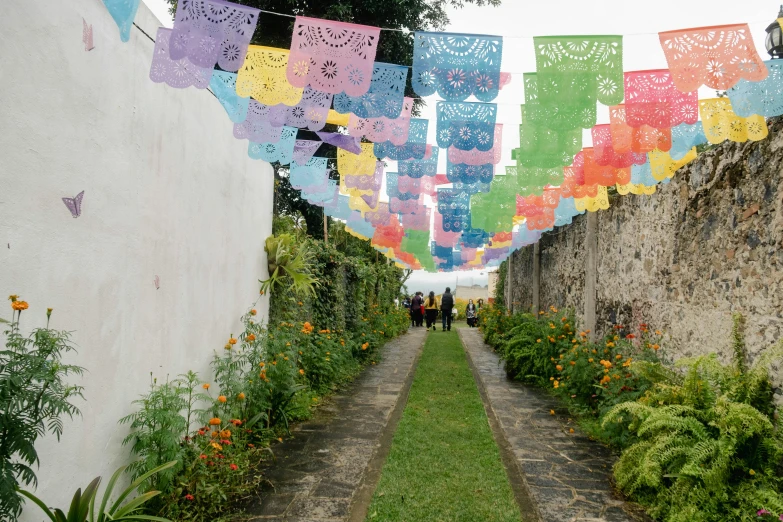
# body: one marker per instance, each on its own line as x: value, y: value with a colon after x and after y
x: 446, y: 305
x: 417, y: 309
x: 471, y: 313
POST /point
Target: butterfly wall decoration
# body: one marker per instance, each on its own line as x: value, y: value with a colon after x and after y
x: 75, y: 204
x: 87, y: 36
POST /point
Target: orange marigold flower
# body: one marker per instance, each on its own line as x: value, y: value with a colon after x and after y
x: 261, y: 364
x: 590, y: 360
x: 307, y: 328
x: 236, y: 422
x: 250, y: 338
x: 618, y: 357
x: 551, y: 412
x: 13, y: 297
x: 225, y: 434
x: 19, y: 305
x: 301, y: 372
x: 221, y: 398
x: 205, y: 386
x: 214, y: 421
x: 656, y: 347
x: 572, y: 363
x: 365, y: 346
x: 241, y: 396
x: 253, y: 312
x: 571, y: 430
x: 657, y: 332
x: 606, y: 379
x: 559, y: 368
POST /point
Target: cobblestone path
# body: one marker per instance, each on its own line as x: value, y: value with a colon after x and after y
x: 327, y: 470
x: 567, y: 475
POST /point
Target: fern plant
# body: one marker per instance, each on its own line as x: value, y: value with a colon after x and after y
x: 34, y: 396
x: 158, y: 429
x: 708, y: 447
x: 288, y: 263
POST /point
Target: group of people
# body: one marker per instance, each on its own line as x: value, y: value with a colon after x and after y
x: 423, y: 308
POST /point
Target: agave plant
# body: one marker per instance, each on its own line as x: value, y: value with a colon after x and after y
x: 82, y: 507
x: 287, y: 263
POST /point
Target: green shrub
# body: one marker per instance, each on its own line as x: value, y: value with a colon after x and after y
x: 34, y: 396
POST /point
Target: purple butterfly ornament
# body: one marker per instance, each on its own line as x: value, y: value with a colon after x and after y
x: 75, y: 204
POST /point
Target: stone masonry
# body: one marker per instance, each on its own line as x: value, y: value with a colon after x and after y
x: 705, y: 245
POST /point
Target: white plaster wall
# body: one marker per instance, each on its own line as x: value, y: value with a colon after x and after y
x: 168, y: 191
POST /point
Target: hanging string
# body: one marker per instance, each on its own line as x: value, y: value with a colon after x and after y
x: 408, y: 31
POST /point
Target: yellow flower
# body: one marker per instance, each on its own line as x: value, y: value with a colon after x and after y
x: 590, y: 360
x: 216, y: 446
x: 538, y: 340
x: 551, y: 412
x: 752, y: 472
x: 13, y: 297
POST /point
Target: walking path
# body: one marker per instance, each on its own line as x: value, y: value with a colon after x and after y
x: 328, y: 468
x: 567, y: 475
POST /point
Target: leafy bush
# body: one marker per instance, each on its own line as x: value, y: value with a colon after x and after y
x: 33, y: 398
x: 699, y: 441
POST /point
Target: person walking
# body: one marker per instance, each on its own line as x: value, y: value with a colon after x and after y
x: 470, y: 313
x: 416, y: 309
x: 446, y: 306
x: 431, y: 309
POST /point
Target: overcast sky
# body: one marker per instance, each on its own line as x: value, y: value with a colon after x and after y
x: 519, y: 20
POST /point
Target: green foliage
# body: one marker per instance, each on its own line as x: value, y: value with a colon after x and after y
x: 699, y: 441
x: 288, y: 263
x: 34, y: 396
x: 82, y: 508
x: 500, y: 285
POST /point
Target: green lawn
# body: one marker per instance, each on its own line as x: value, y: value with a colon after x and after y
x: 443, y: 465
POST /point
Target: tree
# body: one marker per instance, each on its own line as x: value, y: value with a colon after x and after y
x: 393, y: 47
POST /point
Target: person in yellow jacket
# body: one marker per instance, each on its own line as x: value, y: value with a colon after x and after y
x: 431, y: 306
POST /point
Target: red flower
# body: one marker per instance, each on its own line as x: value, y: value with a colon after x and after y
x: 234, y: 467
x: 210, y: 463
x: 202, y: 456
x: 189, y: 497
x: 630, y: 336
x: 226, y: 442
x: 202, y: 432
x: 221, y: 457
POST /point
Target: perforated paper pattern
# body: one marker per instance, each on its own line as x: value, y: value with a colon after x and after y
x: 123, y: 12
x: 605, y: 154
x: 764, y: 98
x: 470, y: 174
x: 685, y: 137
x: 466, y: 125
x: 651, y: 98
x: 717, y: 57
x: 593, y: 204
x: 639, y: 140
x: 604, y: 176
x: 574, y: 108
x: 540, y: 146
x: 263, y: 76
x: 456, y: 65
x: 385, y: 97
x: 209, y: 32
x: 304, y: 150
x: 363, y: 183
x: 311, y: 174
x: 663, y: 166
x: 257, y: 126
x: 331, y: 56
x: 281, y: 152
x: 419, y: 221
x: 223, y: 86
x: 380, y: 129
x: 721, y: 123
x: 596, y: 61
x: 478, y: 157
x: 419, y: 168
x: 342, y: 141
x: 414, y: 148
x: 175, y: 73
x: 364, y: 164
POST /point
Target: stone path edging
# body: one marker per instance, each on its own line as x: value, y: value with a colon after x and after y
x: 568, y: 476
x: 328, y: 468
x: 514, y: 473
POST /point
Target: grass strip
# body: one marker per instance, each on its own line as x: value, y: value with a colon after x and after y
x: 443, y: 465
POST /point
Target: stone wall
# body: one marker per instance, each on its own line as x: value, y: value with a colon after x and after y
x: 684, y: 259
